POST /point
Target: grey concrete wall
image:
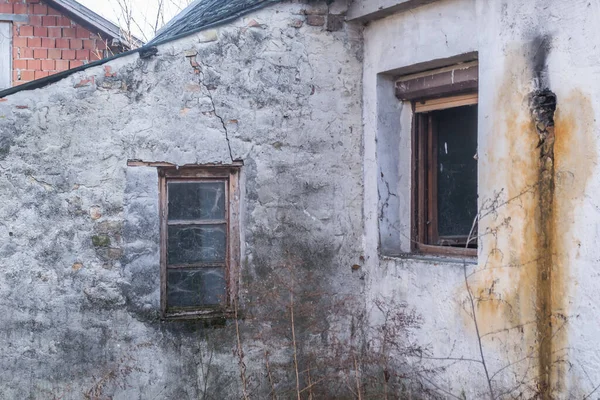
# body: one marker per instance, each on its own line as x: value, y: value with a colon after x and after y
x: 81, y: 320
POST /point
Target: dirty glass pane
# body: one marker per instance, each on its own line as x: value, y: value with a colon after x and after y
x: 457, y: 170
x: 196, y: 200
x: 193, y: 288
x: 196, y: 244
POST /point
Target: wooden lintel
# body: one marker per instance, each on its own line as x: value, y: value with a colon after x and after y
x: 156, y: 164
x: 439, y: 83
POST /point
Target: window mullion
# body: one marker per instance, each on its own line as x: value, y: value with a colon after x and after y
x: 432, y: 169
x: 422, y: 179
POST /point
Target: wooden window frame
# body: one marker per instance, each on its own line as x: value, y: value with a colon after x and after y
x: 231, y: 175
x: 424, y: 173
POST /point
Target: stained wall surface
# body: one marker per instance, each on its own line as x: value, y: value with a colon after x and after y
x: 533, y: 284
x: 325, y: 215
x: 79, y: 254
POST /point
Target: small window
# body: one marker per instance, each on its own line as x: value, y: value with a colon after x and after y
x: 5, y: 55
x: 199, y: 240
x: 445, y: 172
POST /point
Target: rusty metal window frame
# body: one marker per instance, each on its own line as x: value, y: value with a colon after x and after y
x: 230, y: 175
x: 424, y: 168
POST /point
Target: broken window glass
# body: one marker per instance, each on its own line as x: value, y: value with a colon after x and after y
x: 196, y: 253
x: 457, y: 170
x: 192, y: 244
x: 196, y: 200
x: 196, y: 287
x: 445, y: 178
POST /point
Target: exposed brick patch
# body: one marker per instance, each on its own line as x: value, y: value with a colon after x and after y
x: 315, y: 20
x: 41, y: 74
x: 54, y: 54
x: 254, y: 24
x: 68, y: 54
x: 296, y: 23
x: 49, y: 42
x: 62, y: 65
x: 317, y: 10
x: 40, y: 53
x: 40, y: 31
x: 108, y: 72
x: 48, y: 65
x: 35, y: 65
x: 85, y: 82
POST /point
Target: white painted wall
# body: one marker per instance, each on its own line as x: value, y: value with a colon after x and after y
x: 423, y: 35
x: 504, y: 279
x: 373, y: 9
x: 5, y: 54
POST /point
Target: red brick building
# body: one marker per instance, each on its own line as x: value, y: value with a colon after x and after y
x: 39, y: 38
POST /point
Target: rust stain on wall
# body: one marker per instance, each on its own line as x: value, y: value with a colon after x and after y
x: 508, y: 203
x: 543, y: 107
x: 528, y: 243
x: 575, y: 160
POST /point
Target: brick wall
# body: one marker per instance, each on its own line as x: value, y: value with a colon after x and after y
x: 49, y: 42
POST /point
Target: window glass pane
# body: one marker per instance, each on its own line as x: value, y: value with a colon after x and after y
x: 193, y: 288
x: 457, y: 170
x: 196, y: 200
x: 197, y: 244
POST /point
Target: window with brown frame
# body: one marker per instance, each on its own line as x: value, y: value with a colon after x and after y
x: 445, y: 175
x: 199, y: 240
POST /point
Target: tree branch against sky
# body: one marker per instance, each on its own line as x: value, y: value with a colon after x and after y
x: 137, y: 18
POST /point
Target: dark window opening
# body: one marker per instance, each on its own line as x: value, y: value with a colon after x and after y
x: 446, y: 177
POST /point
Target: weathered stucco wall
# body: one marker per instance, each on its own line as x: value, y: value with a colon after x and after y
x: 394, y: 45
x: 80, y: 317
x: 325, y: 212
x: 533, y: 284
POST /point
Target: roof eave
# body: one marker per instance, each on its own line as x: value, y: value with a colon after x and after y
x: 157, y: 41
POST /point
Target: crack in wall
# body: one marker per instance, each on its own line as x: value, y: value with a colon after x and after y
x: 199, y: 68
x: 386, y: 203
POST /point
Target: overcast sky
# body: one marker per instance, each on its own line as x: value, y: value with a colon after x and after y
x: 144, y: 12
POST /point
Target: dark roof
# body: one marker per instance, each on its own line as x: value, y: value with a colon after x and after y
x: 205, y: 13
x: 87, y: 17
x: 201, y: 14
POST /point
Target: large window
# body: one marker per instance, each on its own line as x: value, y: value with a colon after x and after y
x: 445, y: 184
x: 199, y: 240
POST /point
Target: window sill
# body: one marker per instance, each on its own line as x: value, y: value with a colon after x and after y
x: 446, y: 251
x: 433, y: 258
x: 206, y: 315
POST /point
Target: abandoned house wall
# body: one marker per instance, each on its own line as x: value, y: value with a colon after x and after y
x: 534, y: 283
x: 280, y: 90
